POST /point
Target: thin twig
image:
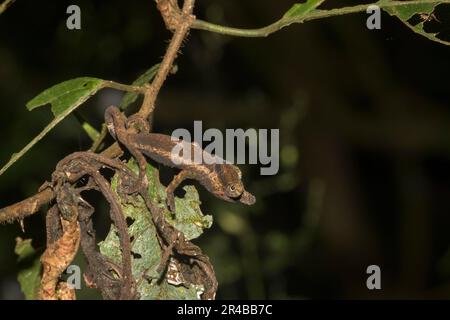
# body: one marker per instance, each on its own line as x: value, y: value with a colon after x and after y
x: 313, y: 15
x: 26, y: 207
x: 184, y: 23
x: 5, y: 5
x: 123, y: 87
x: 96, y: 144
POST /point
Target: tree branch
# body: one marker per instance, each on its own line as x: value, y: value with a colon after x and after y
x: 183, y: 24
x: 26, y: 207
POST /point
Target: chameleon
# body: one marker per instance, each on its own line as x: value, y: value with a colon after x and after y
x: 221, y: 179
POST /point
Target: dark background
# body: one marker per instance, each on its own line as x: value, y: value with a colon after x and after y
x: 364, y: 119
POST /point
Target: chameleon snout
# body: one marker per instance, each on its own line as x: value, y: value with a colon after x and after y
x: 247, y: 198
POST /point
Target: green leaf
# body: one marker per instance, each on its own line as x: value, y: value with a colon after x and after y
x: 29, y: 276
x: 64, y: 98
x: 145, y: 246
x: 67, y: 95
x: 406, y: 11
x: 130, y: 97
x: 299, y: 10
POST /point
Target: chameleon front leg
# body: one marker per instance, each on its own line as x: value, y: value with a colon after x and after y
x: 117, y: 125
x: 179, y: 178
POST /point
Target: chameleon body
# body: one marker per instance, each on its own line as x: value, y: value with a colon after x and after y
x: 221, y: 179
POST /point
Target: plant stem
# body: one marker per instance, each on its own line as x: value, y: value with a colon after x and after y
x: 124, y: 87
x: 96, y: 144
x: 315, y: 14
x: 184, y: 23
x: 165, y: 67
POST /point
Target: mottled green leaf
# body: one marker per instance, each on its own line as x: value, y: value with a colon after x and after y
x: 406, y: 11
x: 29, y: 276
x: 146, y: 249
x: 146, y: 77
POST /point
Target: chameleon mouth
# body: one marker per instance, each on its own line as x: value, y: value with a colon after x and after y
x: 246, y: 198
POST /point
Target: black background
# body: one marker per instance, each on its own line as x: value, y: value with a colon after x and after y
x: 364, y: 125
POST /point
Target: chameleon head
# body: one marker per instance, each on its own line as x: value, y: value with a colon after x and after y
x: 113, y: 118
x: 230, y: 177
x: 234, y: 188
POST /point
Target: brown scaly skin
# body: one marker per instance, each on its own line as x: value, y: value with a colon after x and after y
x: 221, y: 179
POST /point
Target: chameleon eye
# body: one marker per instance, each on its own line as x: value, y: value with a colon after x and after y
x: 233, y: 191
